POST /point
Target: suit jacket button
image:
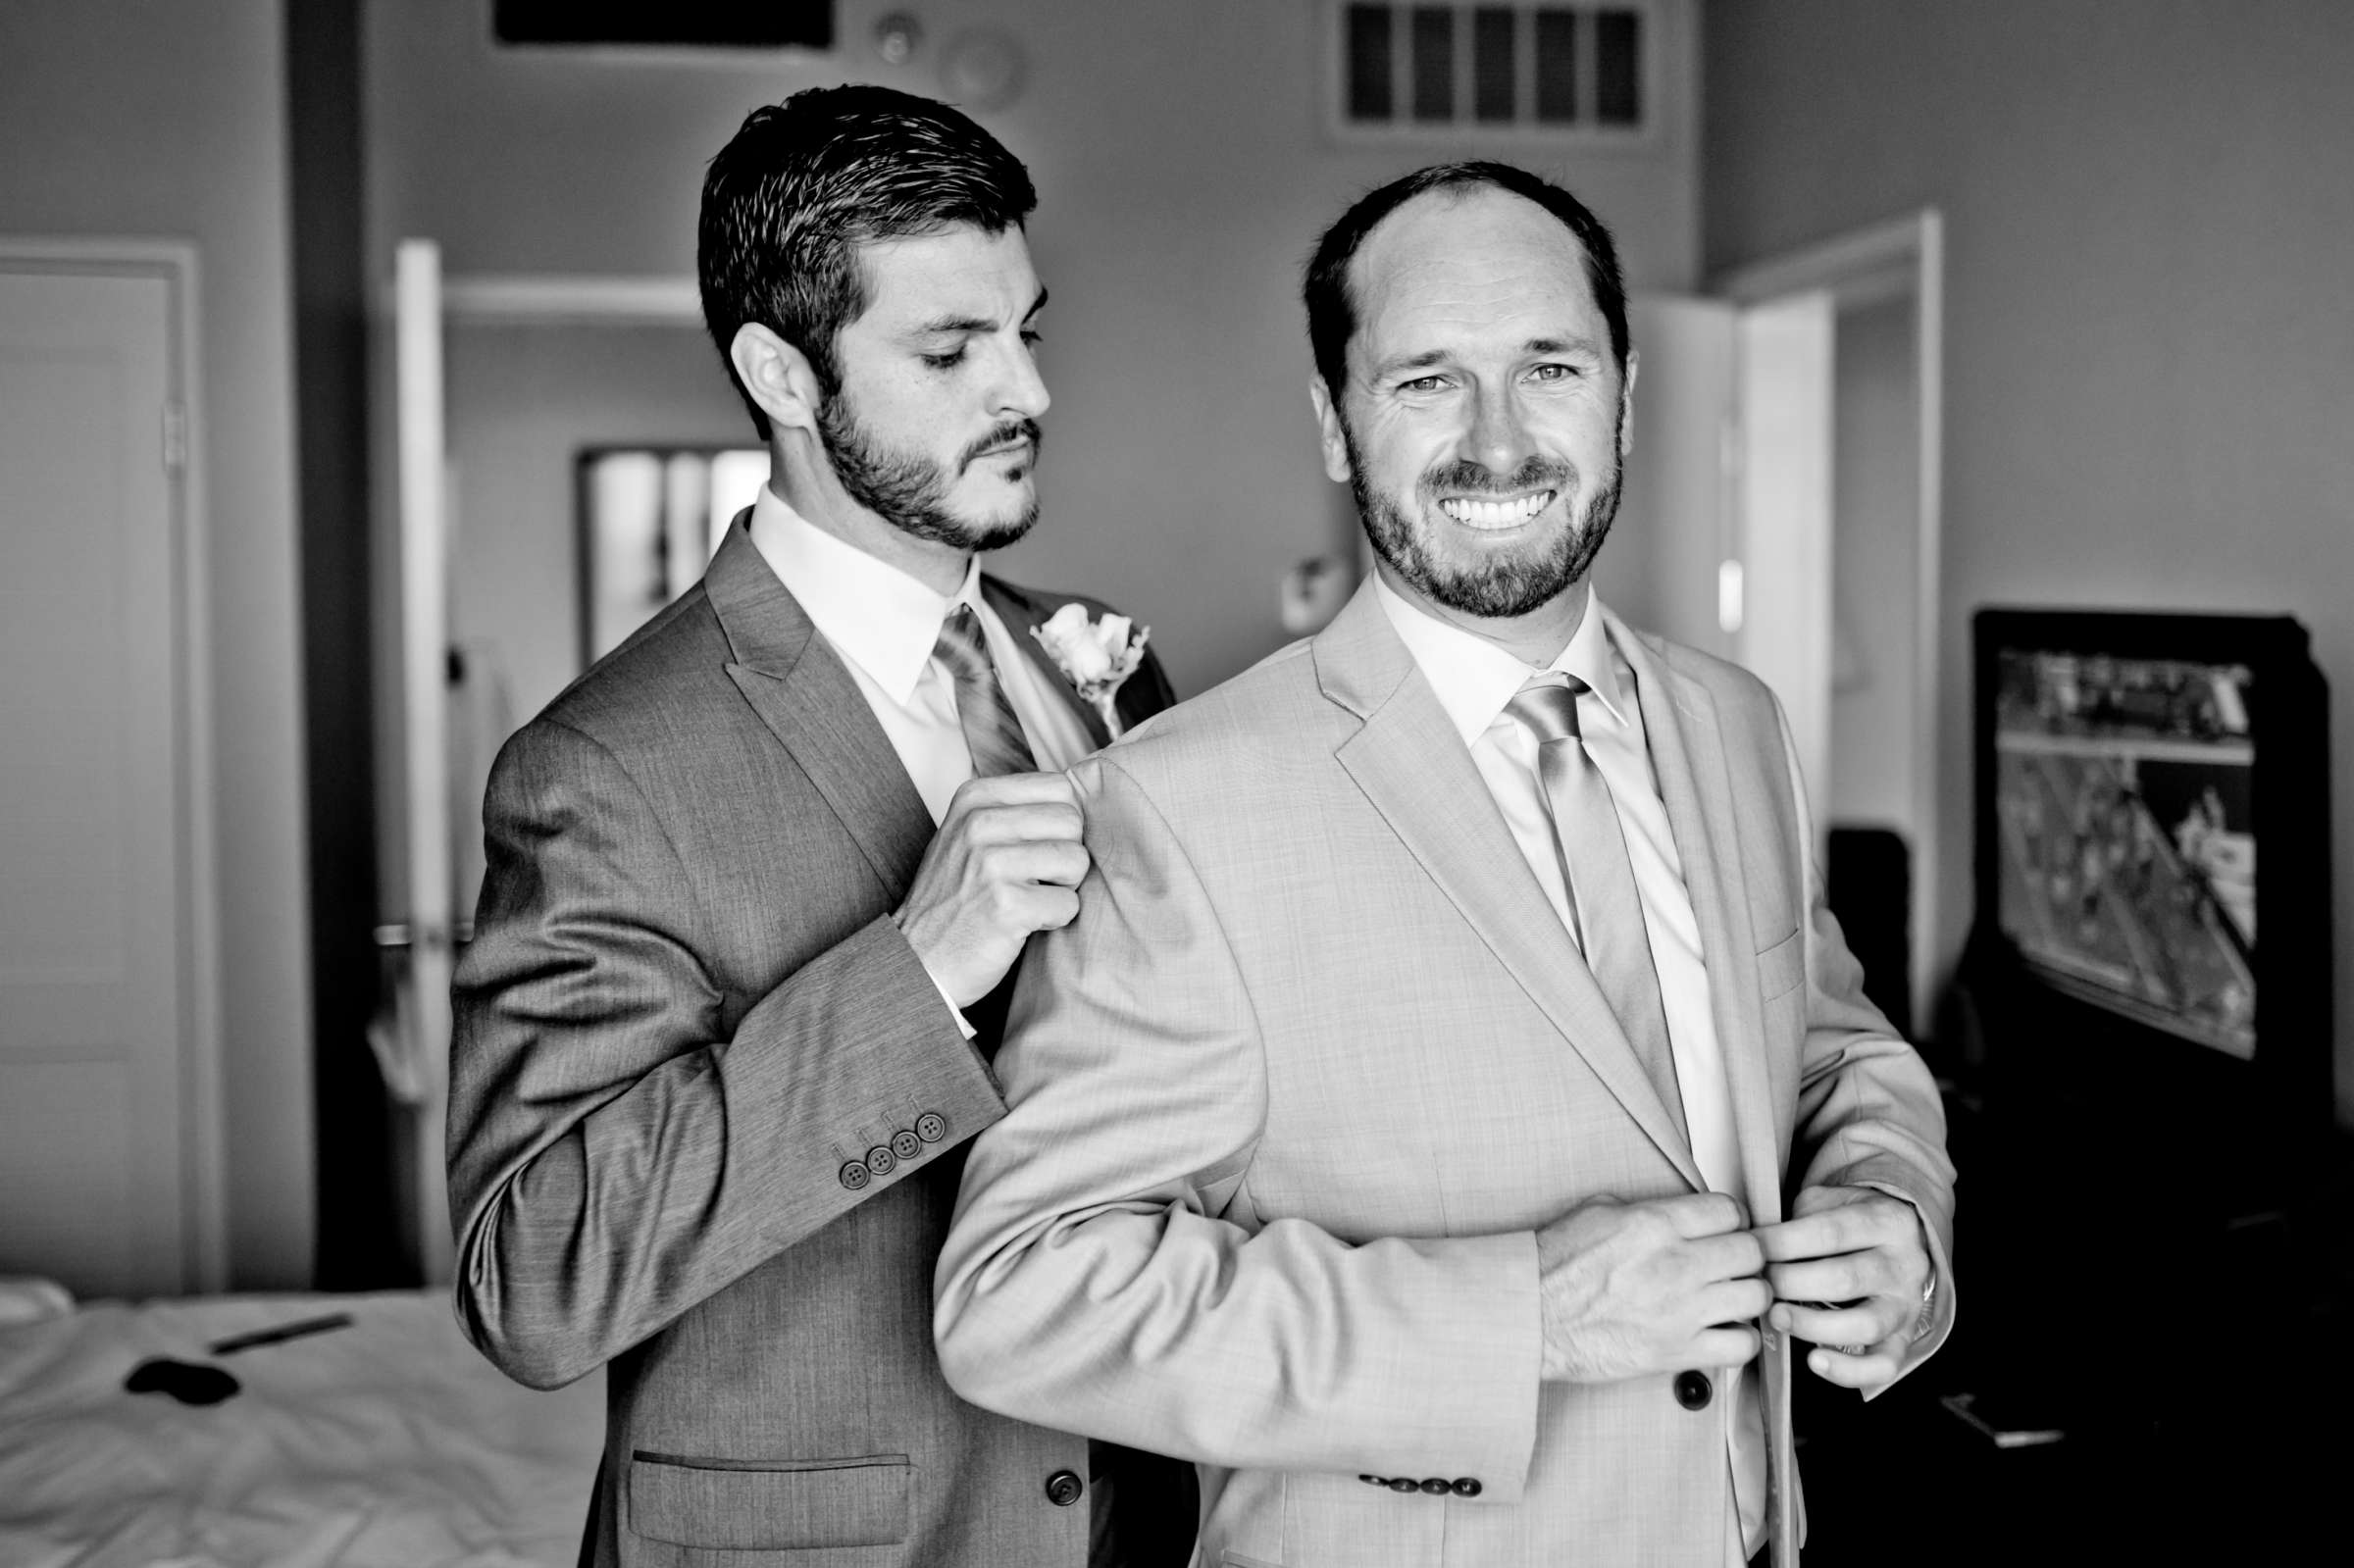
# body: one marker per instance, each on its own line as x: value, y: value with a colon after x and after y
x: 1405, y: 1484
x: 1693, y: 1390
x: 905, y: 1144
x: 1064, y: 1487
x: 1436, y: 1485
x: 930, y: 1127
x: 1465, y: 1487
x: 881, y: 1160
x: 855, y: 1174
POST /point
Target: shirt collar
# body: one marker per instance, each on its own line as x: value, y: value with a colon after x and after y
x: 873, y: 613
x: 1475, y: 678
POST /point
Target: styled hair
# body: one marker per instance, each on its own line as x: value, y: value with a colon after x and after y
x: 804, y: 182
x: 1332, y: 309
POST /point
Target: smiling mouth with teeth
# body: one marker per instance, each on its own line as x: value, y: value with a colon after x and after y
x: 1479, y: 514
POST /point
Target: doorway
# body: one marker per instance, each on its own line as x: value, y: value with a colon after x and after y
x: 1782, y: 510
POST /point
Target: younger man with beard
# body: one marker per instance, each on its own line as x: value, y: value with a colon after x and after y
x: 725, y: 1026
x: 1402, y: 1127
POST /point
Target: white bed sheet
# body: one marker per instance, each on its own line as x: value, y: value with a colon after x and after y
x: 389, y: 1444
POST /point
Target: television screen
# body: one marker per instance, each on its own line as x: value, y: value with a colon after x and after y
x: 2125, y: 839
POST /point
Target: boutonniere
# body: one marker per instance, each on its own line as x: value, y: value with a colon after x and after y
x: 1094, y: 656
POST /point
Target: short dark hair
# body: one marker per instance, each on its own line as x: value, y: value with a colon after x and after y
x: 1332, y: 310
x: 803, y: 182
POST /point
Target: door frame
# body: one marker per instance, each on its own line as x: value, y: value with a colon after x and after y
x: 203, y: 1197
x: 1902, y: 258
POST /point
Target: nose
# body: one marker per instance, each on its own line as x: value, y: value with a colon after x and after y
x: 1021, y: 392
x: 1496, y: 436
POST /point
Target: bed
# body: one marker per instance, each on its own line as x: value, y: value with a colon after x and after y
x: 386, y: 1442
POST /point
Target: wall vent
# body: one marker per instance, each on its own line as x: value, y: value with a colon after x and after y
x: 667, y: 24
x: 1405, y: 70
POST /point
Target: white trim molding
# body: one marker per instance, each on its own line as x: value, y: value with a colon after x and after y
x: 1889, y: 261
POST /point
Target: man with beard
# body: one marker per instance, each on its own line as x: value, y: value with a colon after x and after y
x: 725, y: 1026
x: 1402, y: 1129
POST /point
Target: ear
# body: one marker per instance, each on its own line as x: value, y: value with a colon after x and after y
x: 778, y: 376
x: 1627, y: 405
x: 1329, y: 434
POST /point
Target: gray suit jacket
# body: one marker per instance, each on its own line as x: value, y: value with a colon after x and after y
x: 707, y: 1110
x: 1291, y: 1096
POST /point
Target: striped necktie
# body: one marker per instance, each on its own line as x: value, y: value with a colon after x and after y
x: 991, y: 733
x: 1605, y: 904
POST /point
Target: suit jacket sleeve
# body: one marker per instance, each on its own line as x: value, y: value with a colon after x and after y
x: 621, y: 1147
x: 1868, y: 1113
x: 1105, y: 1273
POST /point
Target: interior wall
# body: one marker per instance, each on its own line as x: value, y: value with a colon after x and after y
x: 133, y: 119
x: 2149, y: 362
x: 1184, y: 169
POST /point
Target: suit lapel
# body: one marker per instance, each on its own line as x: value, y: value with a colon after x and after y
x: 1022, y: 616
x: 1688, y: 758
x: 1412, y: 766
x: 810, y: 702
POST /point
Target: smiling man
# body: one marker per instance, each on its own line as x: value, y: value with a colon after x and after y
x: 753, y: 884
x: 1402, y: 1129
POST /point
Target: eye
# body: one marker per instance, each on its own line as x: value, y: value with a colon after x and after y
x: 1033, y: 337
x: 945, y: 362
x: 1423, y: 383
x: 1553, y: 373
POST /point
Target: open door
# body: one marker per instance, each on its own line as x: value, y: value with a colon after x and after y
x: 1783, y: 504
x: 412, y: 1038
x: 1725, y: 539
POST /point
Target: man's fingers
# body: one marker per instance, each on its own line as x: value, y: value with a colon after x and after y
x: 1730, y: 1344
x: 1735, y: 1301
x: 1699, y: 1214
x: 1732, y: 1255
x: 1059, y: 862
x: 1839, y: 1279
x: 1833, y: 1325
x: 1022, y: 822
x: 1016, y: 789
x: 1874, y: 1367
x: 1052, y: 908
x: 1849, y: 1228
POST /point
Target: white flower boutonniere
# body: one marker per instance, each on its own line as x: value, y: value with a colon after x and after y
x: 1094, y: 656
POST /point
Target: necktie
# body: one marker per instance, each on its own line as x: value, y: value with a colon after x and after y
x: 991, y: 733
x: 1603, y: 898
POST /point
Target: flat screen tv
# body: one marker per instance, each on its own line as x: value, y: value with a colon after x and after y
x: 2152, y: 859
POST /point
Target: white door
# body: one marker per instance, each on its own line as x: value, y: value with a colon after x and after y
x: 95, y: 997
x: 417, y: 1061
x: 1725, y: 536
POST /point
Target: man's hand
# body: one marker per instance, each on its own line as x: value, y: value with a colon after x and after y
x: 1864, y: 1251
x: 1631, y: 1290
x: 1006, y: 862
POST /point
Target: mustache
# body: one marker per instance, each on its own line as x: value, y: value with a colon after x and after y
x: 1005, y: 434
x: 1467, y: 477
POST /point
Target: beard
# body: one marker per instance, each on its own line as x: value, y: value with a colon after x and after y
x: 909, y: 490
x: 1506, y: 583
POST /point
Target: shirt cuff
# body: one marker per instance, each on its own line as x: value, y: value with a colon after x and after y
x: 954, y: 1011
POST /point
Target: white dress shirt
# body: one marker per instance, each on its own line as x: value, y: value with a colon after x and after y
x: 1474, y: 680
x: 885, y: 623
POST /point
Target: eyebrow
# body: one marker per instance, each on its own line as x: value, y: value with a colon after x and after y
x: 940, y: 325
x: 1439, y: 356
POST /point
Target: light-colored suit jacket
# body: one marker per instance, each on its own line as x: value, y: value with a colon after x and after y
x: 707, y: 1109
x: 1289, y: 1097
